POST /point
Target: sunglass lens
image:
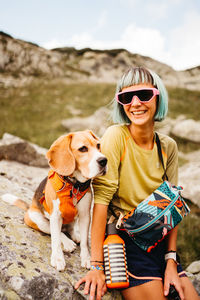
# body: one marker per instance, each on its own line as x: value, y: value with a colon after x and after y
x: 125, y: 98
x: 144, y: 95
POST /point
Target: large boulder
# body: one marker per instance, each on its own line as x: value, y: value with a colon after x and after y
x: 188, y: 130
x: 165, y: 126
x: 26, y: 272
x: 193, y: 272
x: 189, y: 175
x: 98, y: 122
x: 17, y: 149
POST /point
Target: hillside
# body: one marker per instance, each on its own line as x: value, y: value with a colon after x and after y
x: 21, y: 62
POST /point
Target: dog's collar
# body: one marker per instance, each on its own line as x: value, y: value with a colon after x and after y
x: 80, y: 186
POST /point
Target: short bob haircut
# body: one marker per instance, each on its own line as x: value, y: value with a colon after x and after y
x: 140, y: 75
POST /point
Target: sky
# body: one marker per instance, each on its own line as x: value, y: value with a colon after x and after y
x: 166, y: 30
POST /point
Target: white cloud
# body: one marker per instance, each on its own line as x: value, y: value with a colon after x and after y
x: 142, y: 40
x: 185, y: 42
x: 181, y: 50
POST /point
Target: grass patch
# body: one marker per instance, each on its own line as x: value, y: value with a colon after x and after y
x: 35, y: 112
x: 184, y: 102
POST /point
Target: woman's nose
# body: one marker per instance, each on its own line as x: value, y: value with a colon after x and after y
x: 135, y: 101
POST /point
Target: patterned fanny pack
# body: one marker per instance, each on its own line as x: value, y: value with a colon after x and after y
x: 158, y: 214
x: 155, y: 216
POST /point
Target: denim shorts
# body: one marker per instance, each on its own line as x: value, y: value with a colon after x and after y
x: 144, y: 266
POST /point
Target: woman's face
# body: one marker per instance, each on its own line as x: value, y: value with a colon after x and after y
x: 140, y: 113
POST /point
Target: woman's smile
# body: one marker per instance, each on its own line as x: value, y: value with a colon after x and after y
x: 138, y: 112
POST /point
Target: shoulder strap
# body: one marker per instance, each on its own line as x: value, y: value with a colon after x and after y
x: 160, y: 156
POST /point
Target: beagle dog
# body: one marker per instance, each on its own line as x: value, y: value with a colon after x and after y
x: 64, y: 196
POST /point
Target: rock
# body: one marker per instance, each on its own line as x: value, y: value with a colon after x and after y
x: 194, y: 267
x: 188, y: 130
x: 193, y: 272
x: 165, y: 126
x: 193, y: 156
x: 21, y: 180
x: 17, y: 149
x: 25, y: 271
x: 189, y: 175
x: 98, y: 122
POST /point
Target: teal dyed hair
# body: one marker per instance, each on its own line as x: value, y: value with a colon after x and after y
x: 140, y: 75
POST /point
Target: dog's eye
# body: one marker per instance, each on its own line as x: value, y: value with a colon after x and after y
x: 98, y: 146
x: 83, y: 149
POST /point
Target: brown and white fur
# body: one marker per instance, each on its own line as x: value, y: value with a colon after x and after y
x: 78, y: 156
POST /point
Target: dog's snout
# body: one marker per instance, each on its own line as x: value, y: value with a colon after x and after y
x: 102, y: 161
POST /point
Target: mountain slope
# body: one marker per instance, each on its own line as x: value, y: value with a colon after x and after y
x: 22, y: 61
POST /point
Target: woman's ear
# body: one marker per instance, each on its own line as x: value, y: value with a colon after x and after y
x: 60, y: 156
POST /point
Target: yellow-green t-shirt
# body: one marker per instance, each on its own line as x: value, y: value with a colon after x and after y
x: 133, y: 172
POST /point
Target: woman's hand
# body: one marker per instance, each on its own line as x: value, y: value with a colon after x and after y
x: 94, y: 284
x: 171, y: 277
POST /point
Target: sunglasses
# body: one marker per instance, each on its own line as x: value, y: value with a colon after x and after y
x: 143, y: 95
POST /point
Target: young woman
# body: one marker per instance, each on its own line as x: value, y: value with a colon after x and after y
x: 134, y: 172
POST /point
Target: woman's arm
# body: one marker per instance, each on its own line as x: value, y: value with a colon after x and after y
x: 171, y: 239
x: 98, y: 231
x: 171, y: 275
x: 95, y: 279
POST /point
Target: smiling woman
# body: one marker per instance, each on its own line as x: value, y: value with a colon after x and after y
x: 134, y: 172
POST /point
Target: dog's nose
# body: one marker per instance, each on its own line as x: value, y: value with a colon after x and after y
x: 102, y: 161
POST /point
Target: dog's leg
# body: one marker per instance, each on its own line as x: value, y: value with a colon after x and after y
x: 35, y: 219
x: 73, y: 230
x: 84, y: 222
x: 57, y: 256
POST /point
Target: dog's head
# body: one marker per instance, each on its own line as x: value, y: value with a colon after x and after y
x: 78, y: 152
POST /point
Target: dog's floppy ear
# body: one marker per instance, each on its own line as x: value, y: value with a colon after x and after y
x: 93, y: 135
x: 60, y: 156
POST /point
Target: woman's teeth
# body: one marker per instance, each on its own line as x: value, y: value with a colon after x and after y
x: 138, y: 112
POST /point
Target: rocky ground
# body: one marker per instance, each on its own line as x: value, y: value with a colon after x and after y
x: 25, y: 253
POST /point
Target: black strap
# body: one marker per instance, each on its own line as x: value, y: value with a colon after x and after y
x: 110, y: 207
x: 164, y: 177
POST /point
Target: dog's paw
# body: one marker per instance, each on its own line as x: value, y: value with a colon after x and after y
x: 58, y: 261
x: 68, y: 244
x: 85, y: 259
x: 85, y: 262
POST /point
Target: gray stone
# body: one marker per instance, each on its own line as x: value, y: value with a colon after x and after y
x: 194, y: 267
x: 165, y: 126
x: 98, y: 122
x: 188, y: 130
x: 189, y: 175
x: 17, y: 149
